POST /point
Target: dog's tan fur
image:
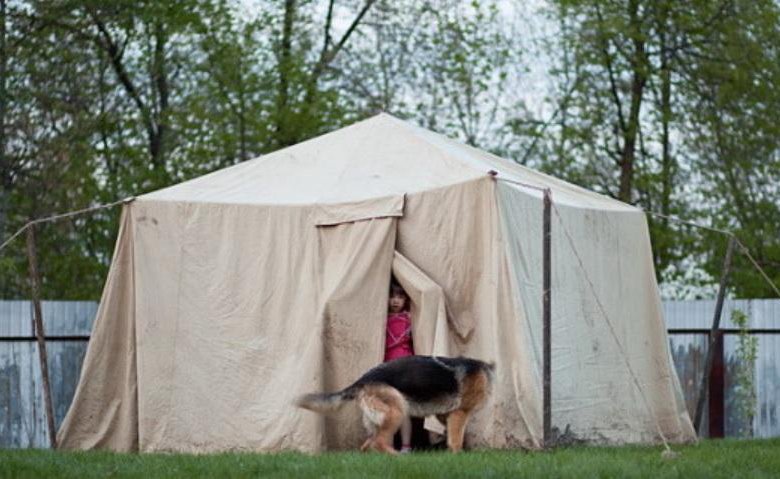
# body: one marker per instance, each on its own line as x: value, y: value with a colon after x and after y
x: 474, y: 393
x: 383, y: 410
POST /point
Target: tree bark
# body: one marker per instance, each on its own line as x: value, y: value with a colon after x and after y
x: 5, y: 177
x: 638, y: 81
x: 242, y: 133
x: 159, y: 132
x: 661, y: 250
x: 152, y: 112
x: 285, y: 67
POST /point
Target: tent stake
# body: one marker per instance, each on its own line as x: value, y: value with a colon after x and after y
x: 547, y: 335
x: 705, y: 379
x: 35, y: 283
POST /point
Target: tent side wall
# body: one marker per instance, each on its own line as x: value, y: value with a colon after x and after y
x: 104, y: 411
x: 241, y: 308
x: 606, y: 314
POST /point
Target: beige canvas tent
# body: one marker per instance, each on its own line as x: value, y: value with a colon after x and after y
x: 232, y: 293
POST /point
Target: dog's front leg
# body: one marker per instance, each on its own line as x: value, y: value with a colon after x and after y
x: 456, y: 428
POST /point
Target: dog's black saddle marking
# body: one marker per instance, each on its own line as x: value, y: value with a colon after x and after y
x: 420, y: 378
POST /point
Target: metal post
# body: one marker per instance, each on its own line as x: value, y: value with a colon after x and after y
x: 547, y: 335
x: 713, y: 337
x: 35, y: 283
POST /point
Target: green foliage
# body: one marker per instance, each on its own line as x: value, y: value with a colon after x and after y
x: 745, y: 389
x: 700, y: 79
x: 671, y: 106
x: 445, y: 64
x: 113, y: 99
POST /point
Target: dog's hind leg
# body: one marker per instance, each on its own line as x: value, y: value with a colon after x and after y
x: 383, y: 440
x: 383, y: 410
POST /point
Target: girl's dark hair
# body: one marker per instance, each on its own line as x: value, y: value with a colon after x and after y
x: 395, y: 287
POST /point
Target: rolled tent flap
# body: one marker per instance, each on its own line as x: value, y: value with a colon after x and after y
x: 104, y: 411
x: 429, y: 314
x: 333, y: 214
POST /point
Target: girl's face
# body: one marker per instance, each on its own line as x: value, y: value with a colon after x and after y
x: 397, y: 302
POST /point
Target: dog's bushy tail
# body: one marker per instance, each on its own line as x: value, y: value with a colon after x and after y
x: 326, y: 402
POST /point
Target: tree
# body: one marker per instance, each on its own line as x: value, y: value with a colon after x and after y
x: 445, y: 64
x: 662, y: 106
x: 306, y: 103
x: 733, y: 133
x: 47, y: 156
x: 116, y: 99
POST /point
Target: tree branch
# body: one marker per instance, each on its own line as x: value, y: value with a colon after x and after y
x: 327, y: 56
x: 107, y: 43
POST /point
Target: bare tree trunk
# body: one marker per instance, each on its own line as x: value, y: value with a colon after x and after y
x: 667, y: 162
x: 661, y: 250
x: 157, y: 141
x: 328, y: 53
x: 5, y: 177
x: 285, y: 67
x: 242, y: 134
x: 153, y: 111
x: 631, y: 133
x: 560, y: 144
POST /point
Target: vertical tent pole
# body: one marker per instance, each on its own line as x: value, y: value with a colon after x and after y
x: 713, y: 337
x: 35, y: 283
x: 547, y: 336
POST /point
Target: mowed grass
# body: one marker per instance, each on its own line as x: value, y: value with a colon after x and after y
x: 710, y: 459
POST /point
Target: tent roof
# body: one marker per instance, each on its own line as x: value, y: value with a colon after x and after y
x: 378, y: 157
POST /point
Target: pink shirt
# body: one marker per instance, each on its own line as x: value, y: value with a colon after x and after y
x: 398, y: 338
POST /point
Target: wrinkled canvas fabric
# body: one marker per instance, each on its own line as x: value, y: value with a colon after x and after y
x: 231, y: 294
x: 220, y: 365
x: 607, y: 325
x: 104, y: 410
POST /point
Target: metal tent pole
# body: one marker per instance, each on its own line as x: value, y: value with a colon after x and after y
x: 546, y: 304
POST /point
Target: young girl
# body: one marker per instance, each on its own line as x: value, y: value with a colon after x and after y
x: 398, y: 343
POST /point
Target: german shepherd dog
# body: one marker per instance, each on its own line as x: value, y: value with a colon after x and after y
x: 450, y: 388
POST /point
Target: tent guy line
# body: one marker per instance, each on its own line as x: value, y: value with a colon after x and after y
x: 730, y: 234
x: 60, y: 216
x: 494, y: 174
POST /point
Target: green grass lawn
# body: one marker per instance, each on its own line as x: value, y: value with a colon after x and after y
x: 725, y: 458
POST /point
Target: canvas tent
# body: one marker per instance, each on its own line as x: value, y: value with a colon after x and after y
x: 232, y: 293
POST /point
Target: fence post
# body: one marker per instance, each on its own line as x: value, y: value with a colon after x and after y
x: 714, y: 334
x: 547, y: 331
x: 35, y: 283
x: 716, y: 405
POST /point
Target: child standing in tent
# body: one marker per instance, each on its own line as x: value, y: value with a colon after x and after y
x: 398, y: 343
